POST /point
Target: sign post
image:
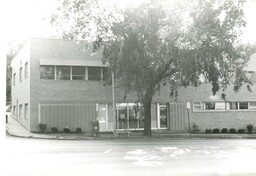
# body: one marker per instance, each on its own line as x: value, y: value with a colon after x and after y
x: 188, y: 107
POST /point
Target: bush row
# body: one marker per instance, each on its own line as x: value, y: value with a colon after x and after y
x: 42, y: 127
x: 224, y: 130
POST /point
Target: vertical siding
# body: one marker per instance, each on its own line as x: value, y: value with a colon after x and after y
x: 177, y: 117
x: 68, y: 115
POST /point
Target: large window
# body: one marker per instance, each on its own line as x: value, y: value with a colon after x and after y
x: 26, y: 70
x: 20, y: 74
x: 47, y: 72
x: 78, y: 73
x: 105, y: 73
x: 220, y: 106
x: 63, y: 73
x: 26, y: 111
x: 94, y: 73
x: 198, y: 106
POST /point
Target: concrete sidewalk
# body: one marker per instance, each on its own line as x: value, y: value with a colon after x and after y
x: 14, y: 128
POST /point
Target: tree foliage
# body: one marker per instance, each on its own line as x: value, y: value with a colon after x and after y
x: 168, y: 43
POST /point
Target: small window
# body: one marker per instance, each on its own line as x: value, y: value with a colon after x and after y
x: 220, y: 106
x: 26, y: 111
x: 14, y: 78
x: 198, y: 106
x: 243, y: 105
x: 253, y: 105
x: 26, y: 70
x: 63, y: 73
x: 94, y: 73
x: 47, y: 72
x: 20, y: 74
x: 233, y: 105
x: 78, y: 73
x: 209, y: 106
x: 20, y: 112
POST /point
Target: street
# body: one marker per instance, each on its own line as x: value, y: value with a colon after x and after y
x: 133, y: 156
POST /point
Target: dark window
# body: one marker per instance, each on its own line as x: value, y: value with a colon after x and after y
x: 63, y: 73
x: 243, y: 105
x: 94, y: 73
x: 47, y: 72
x: 78, y: 73
x: 209, y: 106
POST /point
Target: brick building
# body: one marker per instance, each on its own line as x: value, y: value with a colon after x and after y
x: 61, y: 83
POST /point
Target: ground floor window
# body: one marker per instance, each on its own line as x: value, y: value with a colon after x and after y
x: 163, y: 116
x: 26, y: 111
x: 20, y: 112
x: 129, y: 116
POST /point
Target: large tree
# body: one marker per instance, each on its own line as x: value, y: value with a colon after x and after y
x: 163, y: 43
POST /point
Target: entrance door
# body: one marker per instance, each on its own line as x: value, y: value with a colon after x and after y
x: 162, y: 117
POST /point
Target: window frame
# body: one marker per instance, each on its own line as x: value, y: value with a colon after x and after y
x: 26, y: 111
x: 84, y: 73
x: 14, y: 79
x: 20, y: 111
x: 65, y: 76
x: 20, y: 74
x: 98, y: 76
x: 26, y: 70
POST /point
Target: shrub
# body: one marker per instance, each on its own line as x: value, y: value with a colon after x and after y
x: 79, y: 130
x: 42, y: 127
x: 66, y: 130
x: 232, y: 130
x: 224, y: 130
x: 208, y: 130
x: 249, y: 128
x: 195, y: 128
x: 54, y: 129
x: 241, y: 131
x: 216, y: 130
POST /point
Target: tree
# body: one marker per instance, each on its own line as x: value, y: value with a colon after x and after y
x: 158, y: 44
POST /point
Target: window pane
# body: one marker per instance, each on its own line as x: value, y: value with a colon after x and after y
x: 63, y: 73
x: 47, y: 72
x: 94, y: 73
x: 78, y: 73
x: 198, y: 106
x: 253, y: 105
x: 14, y: 77
x: 233, y: 105
x: 243, y: 105
x: 220, y: 106
x: 20, y: 112
x: 209, y: 106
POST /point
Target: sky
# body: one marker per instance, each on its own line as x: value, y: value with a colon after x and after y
x: 24, y: 18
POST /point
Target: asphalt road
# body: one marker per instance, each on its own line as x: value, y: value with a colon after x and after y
x: 141, y: 156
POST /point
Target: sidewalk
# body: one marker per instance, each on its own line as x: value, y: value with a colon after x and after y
x: 14, y: 128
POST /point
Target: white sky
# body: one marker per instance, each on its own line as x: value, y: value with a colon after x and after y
x: 23, y: 18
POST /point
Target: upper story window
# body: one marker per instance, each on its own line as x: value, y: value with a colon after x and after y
x: 20, y: 112
x: 26, y: 70
x: 47, y: 72
x: 78, y: 73
x: 20, y: 74
x: 243, y: 105
x: 94, y: 73
x: 14, y: 78
x: 209, y: 106
x: 105, y: 73
x: 26, y: 111
x: 63, y: 73
x: 233, y: 105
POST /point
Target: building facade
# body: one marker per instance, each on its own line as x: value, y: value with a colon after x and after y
x: 61, y: 83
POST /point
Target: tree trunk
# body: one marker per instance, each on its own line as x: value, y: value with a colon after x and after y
x: 147, y: 112
x: 147, y: 120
